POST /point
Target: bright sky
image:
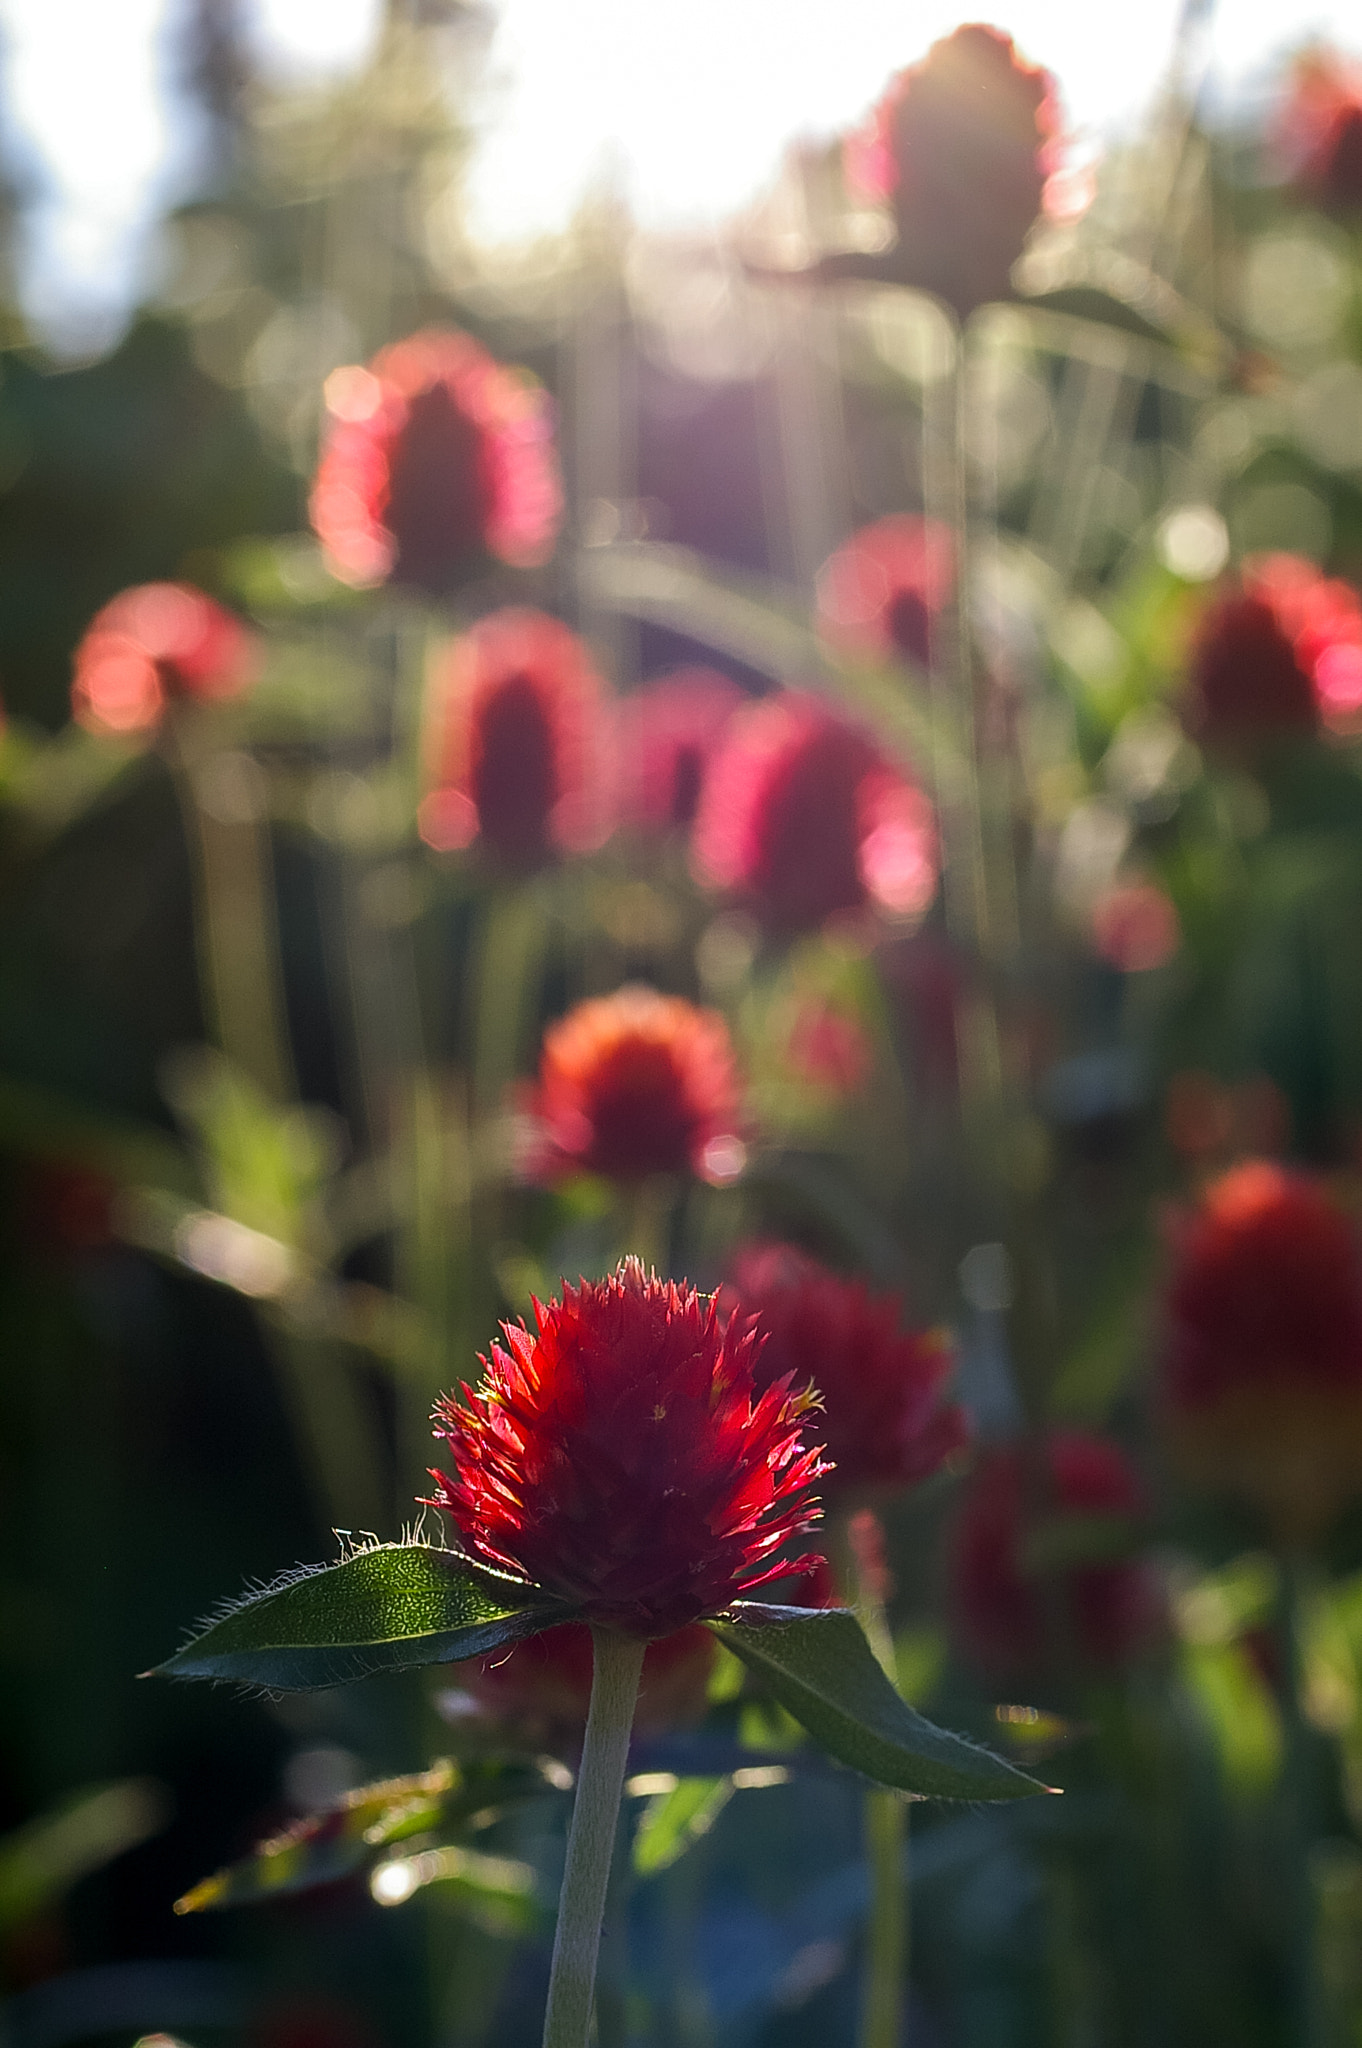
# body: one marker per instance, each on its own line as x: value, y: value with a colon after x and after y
x: 689, y: 102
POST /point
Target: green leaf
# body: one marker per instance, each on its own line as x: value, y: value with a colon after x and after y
x: 366, y: 1823
x: 385, y: 1609
x: 822, y: 1670
x: 672, y: 1820
x: 40, y: 1862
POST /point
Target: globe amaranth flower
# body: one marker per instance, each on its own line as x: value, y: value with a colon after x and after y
x: 156, y: 644
x: 669, y: 730
x: 884, y: 1423
x: 881, y: 594
x: 437, y: 457
x: 517, y: 745
x: 803, y: 815
x: 624, y: 1457
x: 1276, y: 651
x: 1319, y: 130
x: 633, y: 1084
x: 1261, y: 1392
x: 1023, y: 1592
x: 961, y: 145
x: 545, y: 1683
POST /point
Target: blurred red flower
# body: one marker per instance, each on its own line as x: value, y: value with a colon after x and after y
x: 961, y: 144
x: 883, y: 1422
x: 636, y: 1083
x: 668, y: 731
x: 803, y: 816
x: 516, y: 742
x: 1262, y: 1352
x: 1319, y: 130
x: 547, y: 1680
x: 437, y: 456
x: 1135, y: 927
x: 152, y: 645
x: 1027, y: 1584
x: 828, y: 1047
x: 623, y: 1457
x: 1276, y: 650
x: 882, y: 592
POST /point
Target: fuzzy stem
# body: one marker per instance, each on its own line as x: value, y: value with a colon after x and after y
x: 617, y: 1667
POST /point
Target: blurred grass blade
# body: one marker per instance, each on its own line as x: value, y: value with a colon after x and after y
x: 821, y: 1669
x: 40, y: 1862
x: 388, y: 1608
x: 673, y: 1820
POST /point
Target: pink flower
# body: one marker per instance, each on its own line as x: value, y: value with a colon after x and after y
x: 1135, y: 927
x: 882, y: 592
x: 1319, y: 130
x: 1274, y: 652
x: 155, y: 644
x: 669, y: 731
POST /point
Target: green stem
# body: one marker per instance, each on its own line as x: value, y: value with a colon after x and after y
x: 618, y: 1665
x: 1306, y: 2019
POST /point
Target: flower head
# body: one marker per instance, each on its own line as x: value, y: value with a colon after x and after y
x: 1135, y: 926
x: 1319, y: 130
x: 547, y: 1680
x: 804, y: 816
x: 637, y: 1083
x: 884, y: 1423
x: 623, y: 1457
x: 516, y: 742
x: 437, y: 457
x: 1275, y: 652
x: 154, y: 644
x: 1011, y: 1606
x: 1262, y: 1357
x: 962, y: 145
x: 882, y: 592
x: 668, y: 731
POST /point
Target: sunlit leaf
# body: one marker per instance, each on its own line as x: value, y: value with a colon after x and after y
x: 39, y: 1862
x: 673, y: 1820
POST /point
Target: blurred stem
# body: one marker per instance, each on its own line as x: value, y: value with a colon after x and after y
x: 645, y: 1217
x: 504, y: 976
x: 335, y: 1435
x: 617, y: 1667
x: 1306, y: 2029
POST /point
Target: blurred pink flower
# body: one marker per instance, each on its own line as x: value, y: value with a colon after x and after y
x: 1319, y: 130
x: 1276, y: 650
x: 881, y: 593
x: 669, y: 730
x: 1135, y: 927
x: 152, y: 645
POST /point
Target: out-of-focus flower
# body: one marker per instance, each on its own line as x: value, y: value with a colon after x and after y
x: 636, y: 1083
x: 882, y: 592
x: 155, y: 644
x: 1277, y: 650
x: 1319, y: 130
x: 1206, y: 1119
x: 668, y: 731
x: 1262, y: 1354
x: 884, y: 1423
x: 1135, y: 927
x: 517, y: 746
x: 623, y: 1457
x: 437, y: 457
x: 803, y: 816
x: 961, y: 145
x: 1028, y: 1584
x: 547, y: 1680
x: 827, y: 1047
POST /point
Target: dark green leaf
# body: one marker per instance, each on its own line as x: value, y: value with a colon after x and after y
x: 384, y: 1609
x: 820, y: 1667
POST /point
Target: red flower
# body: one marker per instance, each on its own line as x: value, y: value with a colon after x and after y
x: 883, y: 1422
x: 804, y: 816
x: 668, y: 731
x: 151, y: 645
x: 1319, y: 130
x: 1135, y: 927
x: 962, y: 145
x: 516, y: 742
x: 1274, y: 653
x: 437, y: 456
x: 882, y: 592
x: 1262, y: 1365
x: 637, y: 1083
x: 1011, y: 1606
x: 624, y: 1458
x: 548, y: 1679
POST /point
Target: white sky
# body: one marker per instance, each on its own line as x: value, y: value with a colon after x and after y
x: 689, y: 101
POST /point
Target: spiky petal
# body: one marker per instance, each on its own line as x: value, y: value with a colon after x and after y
x: 623, y: 1457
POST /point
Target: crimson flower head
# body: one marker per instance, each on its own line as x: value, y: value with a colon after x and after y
x: 1277, y: 650
x: 1262, y: 1355
x: 546, y: 1681
x: 1319, y: 130
x: 624, y: 1457
x: 437, y: 457
x: 516, y: 742
x: 156, y: 644
x: 882, y: 592
x: 668, y: 731
x: 633, y: 1084
x: 1013, y: 1605
x: 884, y: 1423
x: 802, y: 815
x: 961, y: 145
